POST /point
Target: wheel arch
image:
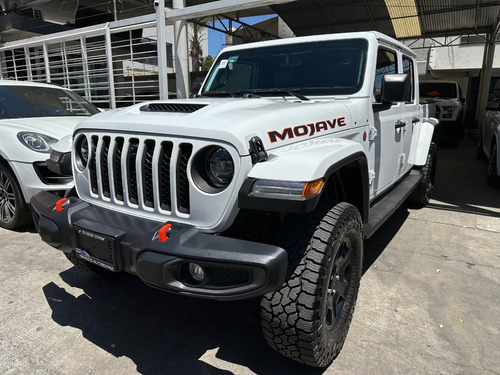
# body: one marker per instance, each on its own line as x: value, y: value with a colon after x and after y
x: 347, y: 180
x: 4, y: 161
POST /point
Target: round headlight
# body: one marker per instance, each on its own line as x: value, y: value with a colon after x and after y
x: 82, y: 152
x: 219, y: 167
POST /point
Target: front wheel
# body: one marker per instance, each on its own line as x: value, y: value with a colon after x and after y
x: 14, y: 211
x: 307, y: 320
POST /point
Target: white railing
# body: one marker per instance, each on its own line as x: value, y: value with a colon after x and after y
x: 110, y: 65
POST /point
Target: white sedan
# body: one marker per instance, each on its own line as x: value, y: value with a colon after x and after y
x: 490, y: 140
x: 33, y: 116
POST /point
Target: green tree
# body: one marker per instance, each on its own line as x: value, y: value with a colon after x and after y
x: 195, y: 50
x: 207, y: 63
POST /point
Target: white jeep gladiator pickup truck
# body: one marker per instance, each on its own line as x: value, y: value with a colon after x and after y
x: 263, y: 185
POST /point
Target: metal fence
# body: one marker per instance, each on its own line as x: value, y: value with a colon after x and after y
x: 110, y: 65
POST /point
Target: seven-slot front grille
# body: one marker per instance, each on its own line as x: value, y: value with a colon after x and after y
x: 149, y: 173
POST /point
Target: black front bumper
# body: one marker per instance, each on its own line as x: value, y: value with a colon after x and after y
x: 234, y: 269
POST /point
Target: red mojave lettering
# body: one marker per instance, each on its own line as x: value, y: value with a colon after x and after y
x: 305, y: 129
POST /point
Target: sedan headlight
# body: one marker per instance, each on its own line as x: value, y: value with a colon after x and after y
x: 36, y: 141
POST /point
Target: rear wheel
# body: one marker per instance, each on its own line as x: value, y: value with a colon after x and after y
x: 14, y: 211
x: 307, y: 320
x: 422, y: 193
x: 492, y: 176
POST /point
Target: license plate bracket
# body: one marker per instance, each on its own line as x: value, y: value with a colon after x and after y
x: 99, y: 247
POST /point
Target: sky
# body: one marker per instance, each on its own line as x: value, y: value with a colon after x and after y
x: 216, y: 40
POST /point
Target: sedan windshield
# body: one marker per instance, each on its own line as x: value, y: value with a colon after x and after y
x: 30, y: 101
x: 318, y: 68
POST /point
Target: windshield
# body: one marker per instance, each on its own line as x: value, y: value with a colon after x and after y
x: 319, y: 68
x: 29, y: 101
x: 438, y: 90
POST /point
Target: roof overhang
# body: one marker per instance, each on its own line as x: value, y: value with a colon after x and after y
x: 397, y: 18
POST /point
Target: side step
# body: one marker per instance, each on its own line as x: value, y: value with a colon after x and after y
x: 386, y: 206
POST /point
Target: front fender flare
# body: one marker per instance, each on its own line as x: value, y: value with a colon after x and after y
x: 303, y: 162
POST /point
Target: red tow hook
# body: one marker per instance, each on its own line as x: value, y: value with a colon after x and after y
x: 163, y: 233
x: 59, y: 204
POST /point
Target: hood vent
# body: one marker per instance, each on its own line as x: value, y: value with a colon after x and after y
x: 172, y: 107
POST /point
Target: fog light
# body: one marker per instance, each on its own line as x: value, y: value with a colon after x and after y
x: 196, y: 271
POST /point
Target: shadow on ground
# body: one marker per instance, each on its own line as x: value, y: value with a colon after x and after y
x: 461, y: 182
x: 164, y: 333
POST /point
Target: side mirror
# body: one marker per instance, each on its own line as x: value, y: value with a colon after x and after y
x: 396, y: 88
x: 462, y: 100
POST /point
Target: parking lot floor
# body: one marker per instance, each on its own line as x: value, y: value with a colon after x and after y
x: 429, y: 302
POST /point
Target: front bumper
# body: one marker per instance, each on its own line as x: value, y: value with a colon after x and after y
x: 234, y: 269
x: 33, y: 178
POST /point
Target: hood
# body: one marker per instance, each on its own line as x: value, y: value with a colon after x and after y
x: 276, y: 122
x: 56, y: 127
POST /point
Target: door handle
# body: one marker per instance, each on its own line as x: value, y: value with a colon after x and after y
x: 400, y: 124
x: 415, y: 120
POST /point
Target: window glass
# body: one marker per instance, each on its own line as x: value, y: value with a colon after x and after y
x: 386, y: 64
x: 442, y: 90
x: 333, y: 67
x: 408, y: 69
x: 27, y: 101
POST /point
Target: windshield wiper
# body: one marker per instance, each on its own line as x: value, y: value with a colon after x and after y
x: 233, y: 94
x: 292, y: 92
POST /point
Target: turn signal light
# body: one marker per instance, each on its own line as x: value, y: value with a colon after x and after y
x: 312, y: 188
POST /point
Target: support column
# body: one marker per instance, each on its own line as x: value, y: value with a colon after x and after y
x: 161, y: 49
x: 111, y: 76
x: 2, y: 59
x: 85, y: 69
x: 181, y: 53
x: 46, y: 62
x: 484, y: 83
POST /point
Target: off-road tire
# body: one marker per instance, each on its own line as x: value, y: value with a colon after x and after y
x: 422, y: 193
x: 14, y: 212
x: 89, y: 267
x: 492, y: 178
x: 307, y: 320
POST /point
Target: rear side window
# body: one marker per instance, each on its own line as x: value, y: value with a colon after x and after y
x: 387, y: 63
